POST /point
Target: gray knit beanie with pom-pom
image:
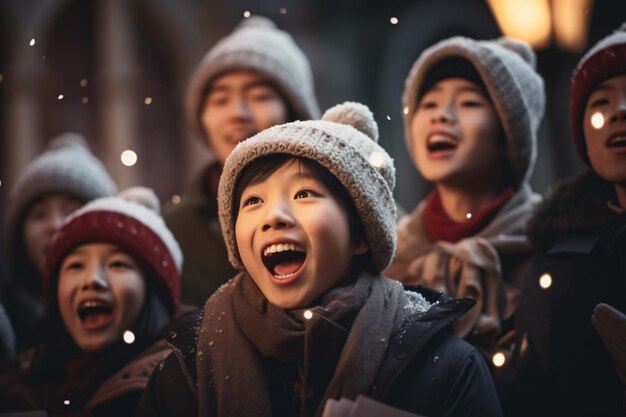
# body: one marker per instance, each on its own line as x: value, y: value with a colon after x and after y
x: 507, y: 69
x: 345, y: 143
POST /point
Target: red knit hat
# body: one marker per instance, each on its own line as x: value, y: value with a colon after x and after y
x: 606, y: 59
x: 136, y: 227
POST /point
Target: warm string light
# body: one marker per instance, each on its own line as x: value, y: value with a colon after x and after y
x: 32, y: 42
x: 597, y: 120
x: 282, y: 10
x: 247, y: 14
x: 175, y: 199
x: 129, y: 337
x: 148, y: 101
x: 545, y: 281
x: 60, y: 97
x: 393, y: 20
x: 129, y: 158
x: 308, y: 314
x: 498, y: 359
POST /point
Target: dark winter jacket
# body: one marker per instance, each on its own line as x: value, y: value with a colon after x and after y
x: 426, y: 370
x: 562, y: 367
x: 117, y: 396
x: 196, y: 227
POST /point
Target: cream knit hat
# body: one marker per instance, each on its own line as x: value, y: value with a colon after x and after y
x: 67, y: 166
x: 507, y: 69
x: 256, y: 44
x: 345, y: 143
x: 606, y: 59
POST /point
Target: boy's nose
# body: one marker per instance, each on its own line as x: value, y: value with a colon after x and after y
x: 443, y: 115
x: 620, y: 112
x: 241, y: 109
x: 277, y: 217
x: 95, y: 280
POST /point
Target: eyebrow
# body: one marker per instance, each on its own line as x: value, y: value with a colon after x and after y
x: 247, y: 86
x: 603, y: 87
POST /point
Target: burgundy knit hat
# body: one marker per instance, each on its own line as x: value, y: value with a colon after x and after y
x: 606, y: 59
x: 132, y: 222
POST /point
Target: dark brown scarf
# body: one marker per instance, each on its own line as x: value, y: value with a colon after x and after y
x: 348, y: 333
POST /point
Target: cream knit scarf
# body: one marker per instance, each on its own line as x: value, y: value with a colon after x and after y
x: 239, y: 325
x: 471, y: 267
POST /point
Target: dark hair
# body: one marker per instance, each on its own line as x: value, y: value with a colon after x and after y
x: 260, y: 169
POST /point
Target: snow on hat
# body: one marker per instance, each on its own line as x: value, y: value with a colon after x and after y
x: 131, y: 221
x: 507, y: 69
x: 67, y: 166
x: 256, y: 44
x: 345, y: 143
x: 606, y: 59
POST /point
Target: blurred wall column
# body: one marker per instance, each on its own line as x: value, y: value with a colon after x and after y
x: 117, y: 100
x: 22, y: 82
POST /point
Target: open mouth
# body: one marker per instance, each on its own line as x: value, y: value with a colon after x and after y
x: 283, y: 260
x: 440, y: 142
x: 95, y: 313
x: 617, y: 142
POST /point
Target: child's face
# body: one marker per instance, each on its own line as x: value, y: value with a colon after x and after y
x: 101, y: 292
x: 239, y: 105
x: 604, y: 127
x: 42, y: 221
x: 455, y: 134
x: 293, y: 237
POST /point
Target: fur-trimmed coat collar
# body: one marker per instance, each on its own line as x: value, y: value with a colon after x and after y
x: 575, y: 207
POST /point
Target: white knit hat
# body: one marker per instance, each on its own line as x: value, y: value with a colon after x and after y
x: 345, y: 143
x: 131, y: 221
x: 256, y: 44
x: 67, y: 166
x: 507, y: 69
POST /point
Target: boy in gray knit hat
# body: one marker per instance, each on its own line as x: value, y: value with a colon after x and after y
x: 472, y: 110
x: 570, y: 317
x: 59, y: 181
x: 308, y: 216
x: 252, y: 79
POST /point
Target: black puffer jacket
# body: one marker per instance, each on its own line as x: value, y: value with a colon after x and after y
x: 426, y: 370
x: 562, y: 366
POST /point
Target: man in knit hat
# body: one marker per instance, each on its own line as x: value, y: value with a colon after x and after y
x: 473, y: 111
x: 250, y: 80
x: 565, y: 364
x: 308, y: 216
x: 60, y: 180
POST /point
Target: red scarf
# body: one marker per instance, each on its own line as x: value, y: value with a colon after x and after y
x: 441, y: 227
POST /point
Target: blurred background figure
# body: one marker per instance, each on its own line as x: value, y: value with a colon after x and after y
x: 254, y: 78
x: 56, y: 183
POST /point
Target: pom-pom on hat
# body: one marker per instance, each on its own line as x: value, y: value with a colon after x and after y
x: 507, y: 70
x: 606, y: 59
x: 256, y: 44
x: 132, y: 222
x: 345, y: 143
x: 67, y: 166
